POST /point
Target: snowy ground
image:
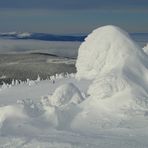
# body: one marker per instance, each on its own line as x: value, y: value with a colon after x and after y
x: 105, y: 104
x: 32, y: 127
x: 34, y: 130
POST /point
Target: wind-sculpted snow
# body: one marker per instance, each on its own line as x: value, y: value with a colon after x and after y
x: 118, y: 68
x: 107, y: 85
x: 145, y: 48
x: 105, y: 49
x: 105, y: 104
x: 66, y: 94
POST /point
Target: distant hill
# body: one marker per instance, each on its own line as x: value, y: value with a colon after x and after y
x: 42, y: 36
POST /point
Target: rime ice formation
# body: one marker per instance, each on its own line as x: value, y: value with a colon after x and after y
x: 145, y: 48
x: 115, y: 61
x: 106, y: 49
x: 66, y: 94
x: 118, y: 69
x: 116, y: 64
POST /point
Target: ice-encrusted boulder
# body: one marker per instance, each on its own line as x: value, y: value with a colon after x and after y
x: 66, y: 94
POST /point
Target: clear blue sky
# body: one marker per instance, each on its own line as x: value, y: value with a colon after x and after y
x: 72, y: 16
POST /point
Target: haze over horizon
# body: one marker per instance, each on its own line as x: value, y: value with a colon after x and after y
x: 72, y: 16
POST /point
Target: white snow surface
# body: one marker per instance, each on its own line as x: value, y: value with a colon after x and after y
x: 23, y: 35
x: 105, y: 104
x: 66, y: 94
x: 145, y: 48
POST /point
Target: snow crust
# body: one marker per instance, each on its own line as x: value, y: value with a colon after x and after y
x: 105, y: 104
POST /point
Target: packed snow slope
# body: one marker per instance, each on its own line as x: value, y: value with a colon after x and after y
x: 105, y: 104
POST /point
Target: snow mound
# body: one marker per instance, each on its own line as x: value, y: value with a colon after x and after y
x: 30, y: 108
x: 66, y: 94
x: 10, y: 112
x: 106, y: 48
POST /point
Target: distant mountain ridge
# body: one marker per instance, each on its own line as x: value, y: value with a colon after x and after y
x: 140, y: 37
x: 42, y: 36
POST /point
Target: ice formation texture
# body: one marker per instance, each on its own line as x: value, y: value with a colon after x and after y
x: 66, y: 94
x: 118, y: 69
x: 106, y: 49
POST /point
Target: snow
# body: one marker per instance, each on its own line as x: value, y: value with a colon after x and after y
x: 23, y: 35
x: 65, y: 94
x: 105, y: 104
x: 145, y: 48
x: 8, y: 33
x: 118, y: 68
x: 17, y: 34
x: 104, y: 49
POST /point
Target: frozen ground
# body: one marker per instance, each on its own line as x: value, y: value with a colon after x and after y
x: 105, y: 104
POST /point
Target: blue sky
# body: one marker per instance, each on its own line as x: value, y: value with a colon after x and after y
x: 72, y: 16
